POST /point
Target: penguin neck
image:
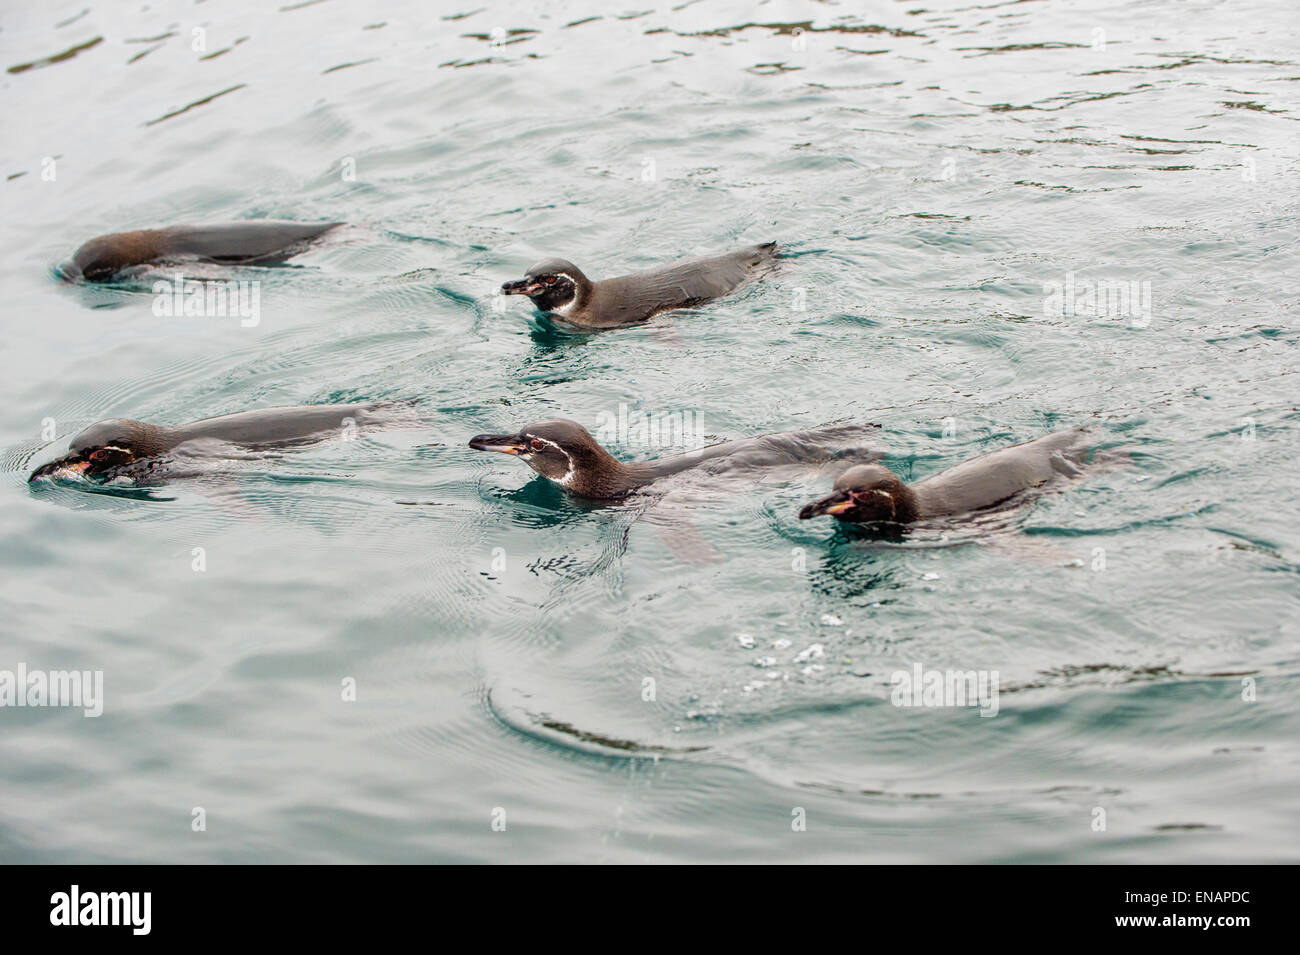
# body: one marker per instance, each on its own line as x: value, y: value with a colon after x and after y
x: 564, y: 311
x: 144, y: 245
x: 596, y: 473
x: 151, y: 440
x: 912, y: 504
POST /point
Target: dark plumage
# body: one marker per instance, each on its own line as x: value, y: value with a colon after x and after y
x: 565, y: 452
x: 559, y: 288
x: 872, y: 493
x: 255, y: 242
x: 125, y: 447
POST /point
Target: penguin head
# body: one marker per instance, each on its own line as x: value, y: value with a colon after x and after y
x: 102, y: 257
x: 97, y: 260
x: 559, y: 449
x: 865, y: 494
x: 102, y: 450
x: 555, y: 285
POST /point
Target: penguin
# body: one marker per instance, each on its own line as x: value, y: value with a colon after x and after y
x: 254, y: 242
x: 125, y: 448
x: 872, y: 493
x: 561, y: 289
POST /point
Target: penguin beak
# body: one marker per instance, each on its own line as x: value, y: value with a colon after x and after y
x: 503, y: 443
x: 70, y: 272
x: 835, y: 504
x: 68, y: 467
x: 521, y: 287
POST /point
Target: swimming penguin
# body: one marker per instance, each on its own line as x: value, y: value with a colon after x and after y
x: 565, y: 452
x: 872, y: 493
x: 122, y: 447
x: 559, y: 288
x: 255, y: 242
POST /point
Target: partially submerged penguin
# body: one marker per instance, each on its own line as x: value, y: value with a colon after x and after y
x: 874, y: 494
x: 560, y: 289
x: 565, y: 452
x: 148, y: 453
x: 254, y: 242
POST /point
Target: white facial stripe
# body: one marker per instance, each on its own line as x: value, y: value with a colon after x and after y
x: 568, y: 475
x: 549, y: 444
x: 566, y: 308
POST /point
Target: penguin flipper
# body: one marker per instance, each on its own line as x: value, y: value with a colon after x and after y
x: 1063, y: 465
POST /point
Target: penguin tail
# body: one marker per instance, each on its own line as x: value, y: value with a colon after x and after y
x: 766, y: 257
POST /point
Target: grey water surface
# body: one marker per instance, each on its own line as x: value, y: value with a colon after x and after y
x: 708, y: 679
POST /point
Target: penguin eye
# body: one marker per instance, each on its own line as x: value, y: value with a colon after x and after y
x: 536, y: 445
x: 99, y: 454
x: 549, y: 280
